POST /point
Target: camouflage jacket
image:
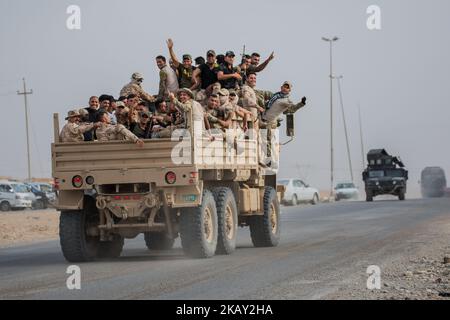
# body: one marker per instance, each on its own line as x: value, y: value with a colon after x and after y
x: 73, y: 132
x: 108, y: 132
x: 135, y: 88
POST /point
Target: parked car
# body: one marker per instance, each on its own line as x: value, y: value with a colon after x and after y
x: 44, y: 192
x: 41, y: 200
x: 46, y: 188
x: 14, y: 196
x: 346, y: 191
x: 298, y: 192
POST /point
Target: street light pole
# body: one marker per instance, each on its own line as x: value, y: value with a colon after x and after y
x: 331, y: 40
x: 25, y: 93
x: 345, y: 126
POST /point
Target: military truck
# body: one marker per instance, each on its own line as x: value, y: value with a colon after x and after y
x: 385, y: 174
x: 433, y: 183
x: 196, y: 189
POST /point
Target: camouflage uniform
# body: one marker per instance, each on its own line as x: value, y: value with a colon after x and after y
x: 73, y: 132
x: 108, y: 132
x: 135, y: 88
x: 250, y: 101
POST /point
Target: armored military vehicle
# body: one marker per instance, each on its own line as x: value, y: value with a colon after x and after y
x: 385, y: 174
x: 433, y: 182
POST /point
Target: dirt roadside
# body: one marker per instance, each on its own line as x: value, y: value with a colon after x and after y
x: 22, y: 227
x: 420, y: 272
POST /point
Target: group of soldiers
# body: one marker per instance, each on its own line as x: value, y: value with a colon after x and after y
x: 215, y: 92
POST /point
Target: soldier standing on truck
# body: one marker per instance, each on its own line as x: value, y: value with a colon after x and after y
x: 168, y: 82
x: 73, y: 131
x: 135, y: 87
x: 185, y: 69
x: 106, y: 131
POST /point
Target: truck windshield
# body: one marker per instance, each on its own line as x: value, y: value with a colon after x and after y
x: 376, y: 174
x: 394, y: 173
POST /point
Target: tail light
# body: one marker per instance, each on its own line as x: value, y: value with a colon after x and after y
x: 77, y: 181
x: 90, y: 180
x: 171, y: 177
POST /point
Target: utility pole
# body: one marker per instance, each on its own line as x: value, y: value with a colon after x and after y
x: 331, y: 40
x: 345, y: 126
x: 361, y: 137
x: 25, y: 93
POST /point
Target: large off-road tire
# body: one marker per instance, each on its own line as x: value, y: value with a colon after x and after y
x: 5, y: 206
x: 76, y: 245
x: 401, y: 195
x: 198, y: 228
x: 158, y: 241
x: 294, y: 201
x: 265, y: 229
x: 369, y: 196
x: 111, y: 249
x: 227, y: 220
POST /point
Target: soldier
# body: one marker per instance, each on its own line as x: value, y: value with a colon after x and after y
x: 94, y: 105
x: 185, y: 104
x: 122, y: 114
x: 241, y: 115
x: 217, y: 116
x: 168, y: 82
x: 73, y: 131
x: 185, y: 69
x: 84, y: 115
x: 206, y: 73
x: 249, y: 98
x: 107, y: 132
x: 106, y: 105
x: 135, y: 87
x: 255, y: 66
x: 280, y: 103
x: 228, y: 75
x: 142, y: 129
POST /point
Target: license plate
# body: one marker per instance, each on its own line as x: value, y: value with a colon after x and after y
x: 190, y: 197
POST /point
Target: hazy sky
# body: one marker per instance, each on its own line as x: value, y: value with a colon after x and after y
x: 398, y: 74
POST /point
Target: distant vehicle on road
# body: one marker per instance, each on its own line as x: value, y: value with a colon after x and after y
x: 298, y: 192
x: 14, y: 196
x: 385, y: 174
x: 346, y: 191
x: 433, y: 183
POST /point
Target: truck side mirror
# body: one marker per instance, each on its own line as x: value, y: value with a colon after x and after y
x: 290, y: 125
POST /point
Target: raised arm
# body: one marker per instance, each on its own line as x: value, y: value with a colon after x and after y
x: 263, y: 65
x: 175, y: 61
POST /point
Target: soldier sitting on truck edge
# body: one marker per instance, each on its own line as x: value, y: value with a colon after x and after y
x: 142, y: 129
x: 106, y: 131
x: 73, y: 131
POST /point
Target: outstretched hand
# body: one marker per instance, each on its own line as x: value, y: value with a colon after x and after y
x: 304, y: 100
x: 170, y: 43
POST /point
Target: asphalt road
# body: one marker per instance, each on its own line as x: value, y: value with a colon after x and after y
x: 323, y: 247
